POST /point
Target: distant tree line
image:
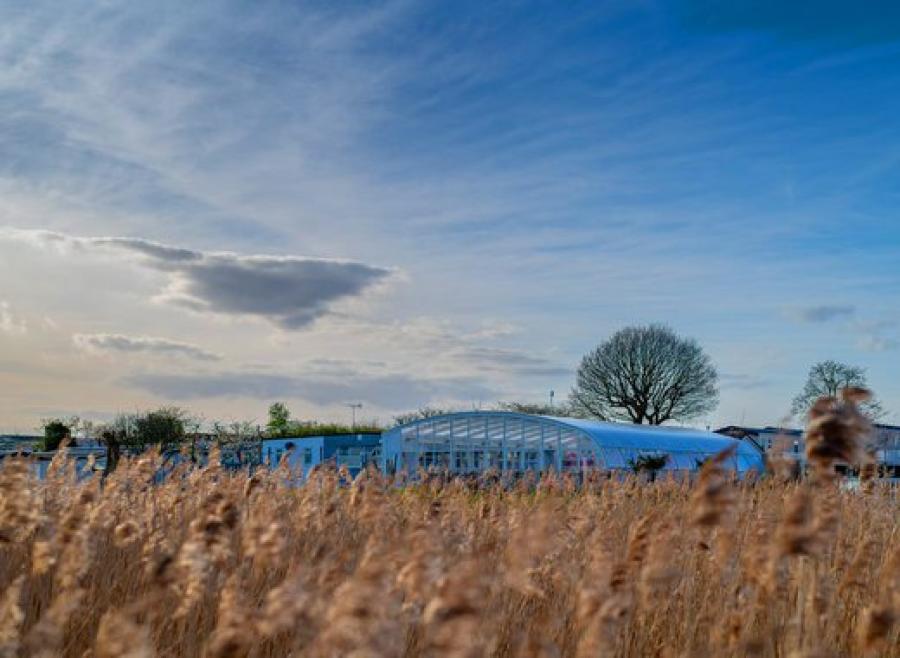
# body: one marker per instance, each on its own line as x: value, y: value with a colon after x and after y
x: 641, y: 374
x: 648, y: 374
x: 165, y: 428
x: 281, y: 425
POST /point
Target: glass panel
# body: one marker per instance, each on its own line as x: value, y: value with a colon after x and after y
x: 549, y: 458
x: 614, y: 458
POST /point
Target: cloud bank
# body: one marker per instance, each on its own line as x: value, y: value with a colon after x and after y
x: 390, y: 391
x: 289, y: 291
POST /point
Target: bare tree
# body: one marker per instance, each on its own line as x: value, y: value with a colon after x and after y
x: 420, y: 414
x: 828, y: 379
x: 535, y: 408
x: 645, y: 374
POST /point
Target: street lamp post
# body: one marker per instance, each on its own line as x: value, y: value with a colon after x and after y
x: 353, y: 407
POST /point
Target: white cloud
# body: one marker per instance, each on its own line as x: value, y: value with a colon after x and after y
x: 512, y: 362
x: 141, y: 344
x: 9, y: 324
x: 486, y: 350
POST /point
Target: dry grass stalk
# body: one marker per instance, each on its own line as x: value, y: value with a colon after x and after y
x: 836, y: 431
x: 212, y: 563
x: 11, y: 618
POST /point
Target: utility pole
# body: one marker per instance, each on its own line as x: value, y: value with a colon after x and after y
x: 552, y: 393
x: 353, y: 407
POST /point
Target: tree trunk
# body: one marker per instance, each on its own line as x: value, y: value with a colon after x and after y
x: 113, y: 451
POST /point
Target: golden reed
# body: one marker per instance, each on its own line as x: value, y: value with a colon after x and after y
x: 216, y: 564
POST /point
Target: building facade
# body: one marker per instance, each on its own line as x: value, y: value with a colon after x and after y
x: 355, y: 451
x: 509, y: 442
x: 883, y: 444
x: 86, y: 459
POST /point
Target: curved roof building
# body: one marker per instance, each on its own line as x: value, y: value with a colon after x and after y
x: 470, y: 442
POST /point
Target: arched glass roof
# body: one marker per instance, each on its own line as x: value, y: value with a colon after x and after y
x: 660, y: 437
x: 478, y: 440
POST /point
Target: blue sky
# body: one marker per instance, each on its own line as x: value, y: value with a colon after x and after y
x: 411, y: 203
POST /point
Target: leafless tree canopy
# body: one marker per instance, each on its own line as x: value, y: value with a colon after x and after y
x: 645, y: 375
x: 535, y: 408
x: 419, y: 414
x: 828, y: 379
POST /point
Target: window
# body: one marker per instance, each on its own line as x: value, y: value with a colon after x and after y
x: 352, y: 457
x: 307, y: 456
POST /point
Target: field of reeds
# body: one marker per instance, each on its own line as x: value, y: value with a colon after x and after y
x: 214, y: 563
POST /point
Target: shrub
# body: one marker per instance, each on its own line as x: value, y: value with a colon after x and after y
x: 55, y: 432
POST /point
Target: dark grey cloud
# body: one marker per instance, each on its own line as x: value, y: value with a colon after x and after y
x: 154, y: 250
x: 290, y: 291
x: 822, y: 313
x: 144, y: 344
x: 386, y: 391
x: 512, y: 361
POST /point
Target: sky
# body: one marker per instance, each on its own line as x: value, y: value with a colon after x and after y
x: 400, y: 204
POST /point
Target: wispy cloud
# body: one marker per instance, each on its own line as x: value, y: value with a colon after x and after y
x: 488, y: 349
x: 141, y: 344
x: 875, y: 343
x: 558, y: 170
x: 822, y: 313
x: 252, y: 106
x: 390, y: 391
x: 289, y: 291
x: 741, y: 381
x: 512, y: 362
x: 9, y: 324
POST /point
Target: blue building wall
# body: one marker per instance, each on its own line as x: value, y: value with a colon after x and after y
x: 354, y: 451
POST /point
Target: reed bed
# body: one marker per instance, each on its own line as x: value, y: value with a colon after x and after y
x: 214, y: 563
